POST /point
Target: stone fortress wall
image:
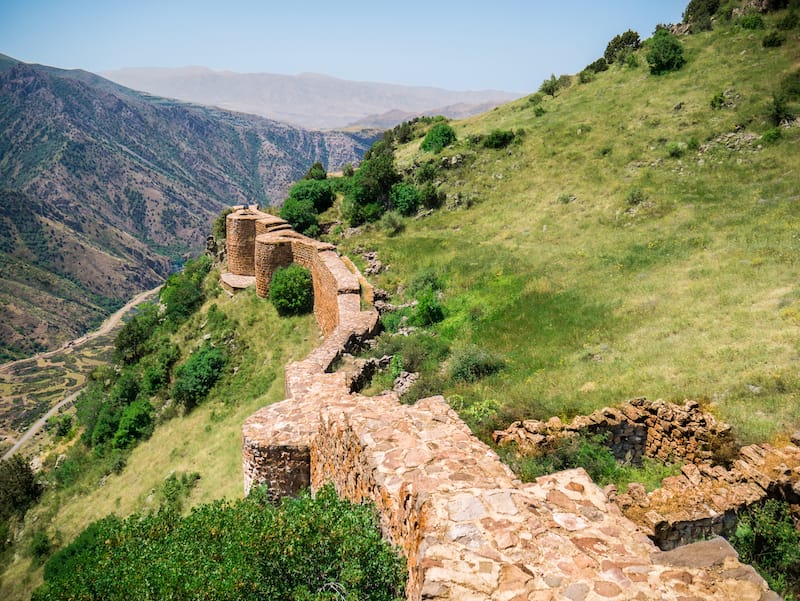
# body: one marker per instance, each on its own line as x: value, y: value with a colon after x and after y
x: 469, y: 529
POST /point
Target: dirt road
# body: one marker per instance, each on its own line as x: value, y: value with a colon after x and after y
x: 107, y: 326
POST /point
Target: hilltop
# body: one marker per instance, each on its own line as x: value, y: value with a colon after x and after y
x: 631, y: 235
x: 105, y: 189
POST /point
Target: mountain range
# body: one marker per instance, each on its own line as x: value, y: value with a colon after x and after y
x: 309, y: 99
x: 104, y: 189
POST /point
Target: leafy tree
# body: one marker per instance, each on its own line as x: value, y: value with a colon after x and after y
x: 301, y: 214
x: 368, y: 196
x: 665, y: 53
x: 135, y: 422
x: 316, y: 172
x: 439, y: 136
x: 195, y: 377
x: 403, y: 132
x: 19, y: 488
x: 549, y: 86
x: 316, y: 191
x: 219, y: 228
x: 291, y: 290
x: 183, y: 292
x: 130, y: 345
x: 621, y: 45
x: 320, y: 549
x: 751, y: 20
x: 405, y: 198
x: 698, y: 14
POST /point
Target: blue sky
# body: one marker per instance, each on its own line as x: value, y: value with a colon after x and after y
x: 462, y: 45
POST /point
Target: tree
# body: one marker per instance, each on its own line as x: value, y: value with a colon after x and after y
x: 549, y: 86
x: 195, y: 377
x: 620, y: 45
x: 317, y: 191
x: 439, y: 136
x: 665, y: 53
x: 405, y: 198
x: 18, y: 487
x: 698, y: 14
x: 316, y: 172
x: 300, y: 214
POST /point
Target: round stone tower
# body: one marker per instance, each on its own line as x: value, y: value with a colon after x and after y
x: 240, y: 240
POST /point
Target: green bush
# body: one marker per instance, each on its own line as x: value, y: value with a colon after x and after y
x: 771, y: 136
x: 426, y: 172
x: 790, y: 21
x: 751, y: 20
x: 439, y: 136
x: 320, y: 549
x: 621, y: 45
x: 219, y: 229
x: 405, y: 198
x: 430, y: 197
x: 698, y: 14
x: 635, y: 197
x: 471, y: 363
x: 130, y: 344
x: 316, y: 191
x: 428, y: 310
x: 773, y: 39
x: 676, y: 149
x: 498, y: 138
x: 40, y: 547
x: 766, y: 536
x: 586, y: 76
x: 598, y: 66
x: 392, y: 223
x: 291, y: 290
x: 316, y: 172
x: 195, y: 376
x: 182, y: 293
x: 549, y: 86
x: 19, y: 488
x: 718, y: 101
x: 135, y: 423
x: 300, y: 213
x: 665, y: 53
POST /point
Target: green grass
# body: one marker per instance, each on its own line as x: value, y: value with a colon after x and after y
x: 690, y: 293
x: 207, y: 441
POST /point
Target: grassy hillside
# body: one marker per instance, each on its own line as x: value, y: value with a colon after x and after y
x: 631, y: 241
x: 206, y: 442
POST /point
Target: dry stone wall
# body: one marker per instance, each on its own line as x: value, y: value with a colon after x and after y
x: 469, y: 529
x: 638, y: 428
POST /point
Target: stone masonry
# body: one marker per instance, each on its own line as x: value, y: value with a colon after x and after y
x: 469, y: 529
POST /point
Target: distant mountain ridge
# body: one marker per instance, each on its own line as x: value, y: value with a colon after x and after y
x: 101, y: 187
x: 308, y: 99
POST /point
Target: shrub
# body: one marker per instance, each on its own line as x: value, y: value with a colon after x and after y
x: 405, y: 198
x: 426, y: 172
x: 751, y: 20
x: 430, y: 197
x: 621, y: 45
x: 220, y: 229
x: 135, y: 423
x: 439, y: 136
x: 428, y: 310
x: 471, y: 363
x: 40, y: 547
x: 423, y: 280
x: 718, y: 101
x: 771, y: 136
x: 585, y: 76
x: 767, y: 538
x: 635, y: 197
x: 665, y: 53
x: 601, y: 64
x: 19, y: 488
x: 130, y: 344
x: 539, y: 111
x: 498, y: 138
x: 790, y: 21
x: 316, y: 191
x: 392, y: 222
x: 549, y: 86
x: 313, y: 549
x: 773, y: 39
x: 779, y: 110
x: 183, y: 292
x: 291, y: 290
x: 316, y: 172
x: 300, y: 213
x: 676, y: 149
x: 195, y: 377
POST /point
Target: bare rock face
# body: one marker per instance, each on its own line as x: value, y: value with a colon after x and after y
x: 468, y: 528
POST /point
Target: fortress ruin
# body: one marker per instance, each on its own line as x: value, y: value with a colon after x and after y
x: 470, y: 530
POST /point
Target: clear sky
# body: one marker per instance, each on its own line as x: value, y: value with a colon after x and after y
x: 462, y: 45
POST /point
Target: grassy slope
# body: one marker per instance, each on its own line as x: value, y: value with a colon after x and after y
x: 207, y: 441
x: 693, y: 294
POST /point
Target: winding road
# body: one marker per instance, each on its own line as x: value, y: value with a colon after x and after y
x: 107, y: 326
